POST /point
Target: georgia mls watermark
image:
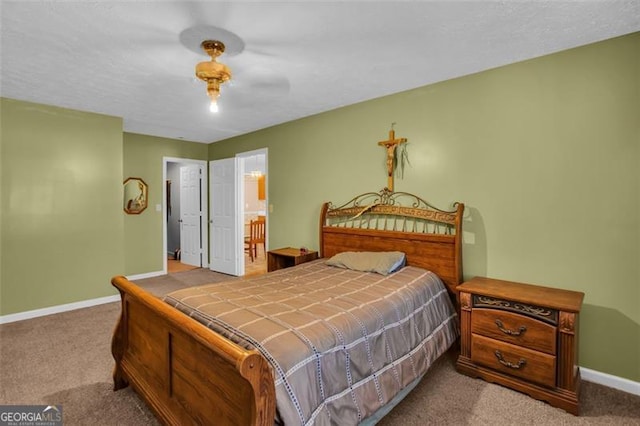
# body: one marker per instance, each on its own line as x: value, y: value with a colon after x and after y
x: 30, y: 415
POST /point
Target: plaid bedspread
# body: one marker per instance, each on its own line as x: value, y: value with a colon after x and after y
x: 341, y: 343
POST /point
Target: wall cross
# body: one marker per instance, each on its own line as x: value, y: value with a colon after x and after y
x: 390, y: 145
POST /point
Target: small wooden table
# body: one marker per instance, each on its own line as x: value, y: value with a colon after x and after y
x: 287, y: 257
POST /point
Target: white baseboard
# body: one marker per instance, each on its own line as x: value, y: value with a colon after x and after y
x: 145, y: 275
x: 608, y: 380
x: 20, y: 316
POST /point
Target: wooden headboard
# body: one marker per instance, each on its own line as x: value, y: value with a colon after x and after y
x: 431, y: 238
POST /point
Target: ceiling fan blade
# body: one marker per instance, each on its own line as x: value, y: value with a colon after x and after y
x: 192, y: 38
x: 251, y: 78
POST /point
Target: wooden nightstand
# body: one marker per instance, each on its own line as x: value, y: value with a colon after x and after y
x: 522, y: 336
x: 287, y: 257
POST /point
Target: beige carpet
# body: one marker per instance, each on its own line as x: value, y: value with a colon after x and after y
x: 66, y: 359
x: 164, y: 284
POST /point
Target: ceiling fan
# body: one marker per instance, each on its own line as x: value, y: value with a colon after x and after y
x: 253, y: 81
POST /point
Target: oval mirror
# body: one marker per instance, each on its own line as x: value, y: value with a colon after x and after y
x: 135, y: 195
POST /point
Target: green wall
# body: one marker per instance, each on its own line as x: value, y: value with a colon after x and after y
x: 143, y: 158
x: 544, y: 153
x: 63, y: 233
x: 61, y: 220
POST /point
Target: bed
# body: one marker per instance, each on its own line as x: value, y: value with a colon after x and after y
x: 185, y: 357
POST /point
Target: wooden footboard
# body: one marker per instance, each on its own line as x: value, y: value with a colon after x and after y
x: 187, y: 373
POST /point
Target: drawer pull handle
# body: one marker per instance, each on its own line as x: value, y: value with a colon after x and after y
x: 517, y: 366
x: 521, y: 330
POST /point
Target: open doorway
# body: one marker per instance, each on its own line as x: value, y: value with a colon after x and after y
x: 184, y: 214
x: 254, y: 211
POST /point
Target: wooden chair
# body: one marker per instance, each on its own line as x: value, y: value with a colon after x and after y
x: 255, y: 237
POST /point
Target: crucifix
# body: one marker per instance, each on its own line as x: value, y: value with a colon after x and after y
x: 391, y: 144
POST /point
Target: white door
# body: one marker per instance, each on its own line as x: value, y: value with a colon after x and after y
x: 224, y: 229
x: 191, y: 215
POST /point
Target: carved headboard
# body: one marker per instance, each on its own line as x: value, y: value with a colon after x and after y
x: 431, y: 238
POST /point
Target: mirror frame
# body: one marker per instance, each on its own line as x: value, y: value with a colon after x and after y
x: 135, y: 204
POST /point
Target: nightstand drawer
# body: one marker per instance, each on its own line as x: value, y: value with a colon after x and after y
x: 514, y: 328
x: 533, y: 366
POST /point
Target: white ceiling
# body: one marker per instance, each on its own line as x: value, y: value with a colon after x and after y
x: 136, y: 59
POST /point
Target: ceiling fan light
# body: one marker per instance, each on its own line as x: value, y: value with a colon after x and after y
x: 213, y: 90
x: 212, y: 72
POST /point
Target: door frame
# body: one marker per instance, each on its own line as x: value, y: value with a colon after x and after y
x: 240, y: 196
x: 204, y: 202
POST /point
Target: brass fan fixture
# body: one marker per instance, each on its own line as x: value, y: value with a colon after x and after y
x: 213, y: 72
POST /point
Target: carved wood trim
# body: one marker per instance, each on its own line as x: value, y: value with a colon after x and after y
x: 395, y: 204
x: 465, y: 301
x: 538, y: 312
x: 434, y: 216
x: 567, y: 322
x: 465, y: 325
